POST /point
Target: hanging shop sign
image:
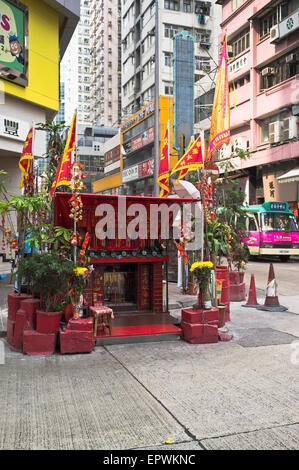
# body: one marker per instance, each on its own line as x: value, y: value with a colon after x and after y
x: 12, y: 128
x: 130, y: 174
x: 239, y: 64
x: 142, y: 170
x: 14, y: 41
x: 146, y: 169
x: 140, y: 116
x: 290, y: 24
x: 143, y: 139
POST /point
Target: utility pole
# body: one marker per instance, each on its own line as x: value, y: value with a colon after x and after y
x: 157, y: 113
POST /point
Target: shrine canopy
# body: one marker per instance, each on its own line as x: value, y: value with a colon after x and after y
x: 121, y: 223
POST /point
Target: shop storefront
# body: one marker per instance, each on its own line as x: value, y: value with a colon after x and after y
x: 138, y: 144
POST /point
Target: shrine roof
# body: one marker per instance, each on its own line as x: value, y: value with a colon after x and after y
x: 139, y: 199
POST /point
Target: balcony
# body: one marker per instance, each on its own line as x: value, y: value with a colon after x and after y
x: 281, y: 95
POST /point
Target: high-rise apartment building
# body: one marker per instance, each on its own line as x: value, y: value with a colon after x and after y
x: 263, y: 40
x: 105, y: 45
x: 77, y: 69
x: 199, y: 18
x: 138, y: 40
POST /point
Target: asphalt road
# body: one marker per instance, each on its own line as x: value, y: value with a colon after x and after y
x: 286, y: 274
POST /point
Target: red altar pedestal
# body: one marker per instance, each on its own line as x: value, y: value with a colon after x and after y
x: 35, y: 343
x: 200, y: 326
x: 222, y: 272
x: 77, y: 337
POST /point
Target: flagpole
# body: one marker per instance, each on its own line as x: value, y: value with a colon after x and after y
x: 203, y: 149
x: 75, y: 161
x: 157, y: 113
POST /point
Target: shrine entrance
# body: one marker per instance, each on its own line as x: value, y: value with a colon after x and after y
x: 120, y: 287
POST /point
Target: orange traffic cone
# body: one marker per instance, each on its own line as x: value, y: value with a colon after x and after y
x: 271, y: 300
x: 252, y: 300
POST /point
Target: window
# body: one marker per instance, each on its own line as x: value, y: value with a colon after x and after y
x: 172, y: 5
x: 168, y: 88
x: 187, y: 6
x: 168, y: 59
x: 170, y: 30
x: 240, y: 43
x: 273, y: 221
x: 273, y: 17
x: 237, y: 4
x: 280, y: 70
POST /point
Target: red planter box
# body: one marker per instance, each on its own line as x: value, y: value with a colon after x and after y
x: 82, y: 324
x: 47, y: 322
x: 73, y: 341
x: 20, y: 326
x: 200, y: 316
x: 234, y: 277
x: 10, y: 330
x: 237, y: 292
x: 30, y: 306
x: 14, y: 302
x: 35, y: 343
x: 200, y: 333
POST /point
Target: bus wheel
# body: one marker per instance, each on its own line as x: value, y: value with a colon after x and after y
x: 284, y: 259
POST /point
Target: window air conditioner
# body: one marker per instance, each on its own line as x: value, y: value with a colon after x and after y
x: 290, y: 128
x: 240, y: 143
x: 274, y: 34
x: 274, y: 132
x: 291, y: 58
x: 225, y: 152
x: 268, y: 71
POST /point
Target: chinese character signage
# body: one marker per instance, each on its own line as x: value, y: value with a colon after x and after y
x: 13, y: 128
x: 290, y: 24
x: 13, y: 39
x: 278, y: 206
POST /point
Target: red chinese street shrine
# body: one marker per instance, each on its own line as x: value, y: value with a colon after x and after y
x: 128, y: 274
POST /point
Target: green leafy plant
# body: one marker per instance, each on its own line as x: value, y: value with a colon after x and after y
x: 217, y: 239
x: 240, y: 255
x: 55, y: 149
x: 49, y: 236
x: 49, y: 275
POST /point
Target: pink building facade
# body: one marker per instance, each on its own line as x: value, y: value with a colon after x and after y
x: 263, y: 40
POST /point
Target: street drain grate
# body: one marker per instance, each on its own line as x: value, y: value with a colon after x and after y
x: 255, y: 337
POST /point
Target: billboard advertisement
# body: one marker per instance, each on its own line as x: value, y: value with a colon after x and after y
x: 14, y: 41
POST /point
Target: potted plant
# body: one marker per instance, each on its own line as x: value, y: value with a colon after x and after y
x: 240, y: 258
x: 201, y: 271
x: 80, y: 280
x: 48, y: 274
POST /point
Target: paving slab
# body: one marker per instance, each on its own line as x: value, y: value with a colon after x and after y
x: 218, y: 389
x: 278, y: 438
x: 86, y: 401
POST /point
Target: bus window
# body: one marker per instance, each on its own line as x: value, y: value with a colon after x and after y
x: 279, y: 222
x: 252, y: 225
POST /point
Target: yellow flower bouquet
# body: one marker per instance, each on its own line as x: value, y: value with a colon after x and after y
x: 201, y: 271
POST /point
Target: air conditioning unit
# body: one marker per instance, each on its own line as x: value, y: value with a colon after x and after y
x: 274, y: 34
x: 290, y: 128
x: 240, y: 143
x: 290, y: 58
x: 230, y: 50
x: 274, y: 132
x: 225, y: 152
x: 268, y: 71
